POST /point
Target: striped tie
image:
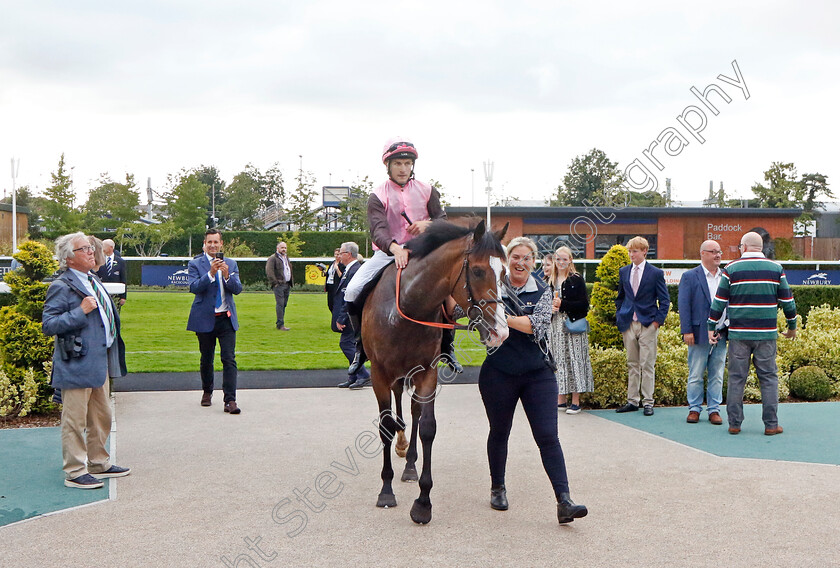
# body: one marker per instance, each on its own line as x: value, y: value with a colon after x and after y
x: 108, y: 264
x: 103, y: 301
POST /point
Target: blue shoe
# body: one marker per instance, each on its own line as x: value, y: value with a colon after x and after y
x: 573, y: 409
x: 86, y: 481
x: 360, y: 383
x: 113, y: 471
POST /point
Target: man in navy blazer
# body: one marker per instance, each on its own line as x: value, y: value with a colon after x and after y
x: 88, y: 349
x: 641, y: 308
x: 347, y: 255
x: 697, y: 289
x: 215, y: 281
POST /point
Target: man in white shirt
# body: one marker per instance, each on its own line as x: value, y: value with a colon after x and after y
x: 278, y: 270
x: 696, y: 292
x: 113, y: 270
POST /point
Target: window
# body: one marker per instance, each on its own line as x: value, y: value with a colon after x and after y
x: 550, y: 243
x: 604, y: 243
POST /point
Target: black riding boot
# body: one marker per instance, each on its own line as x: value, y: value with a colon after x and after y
x: 567, y: 511
x: 359, y: 358
x: 447, y: 350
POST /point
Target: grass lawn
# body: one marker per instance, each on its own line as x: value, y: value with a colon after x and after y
x: 154, y: 330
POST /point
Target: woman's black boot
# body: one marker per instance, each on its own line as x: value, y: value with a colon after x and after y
x: 498, y: 498
x: 567, y: 511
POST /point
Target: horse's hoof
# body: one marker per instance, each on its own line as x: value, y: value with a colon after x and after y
x: 401, y: 451
x: 386, y: 500
x: 420, y: 513
x: 409, y: 475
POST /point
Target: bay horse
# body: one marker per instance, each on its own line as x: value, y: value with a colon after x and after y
x: 403, y: 342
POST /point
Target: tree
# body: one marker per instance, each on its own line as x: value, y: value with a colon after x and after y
x: 59, y: 214
x: 269, y: 185
x: 300, y: 213
x: 148, y: 240
x: 209, y: 176
x: 814, y: 186
x: 242, y: 202
x: 784, y: 190
x: 439, y: 187
x: 646, y: 199
x: 111, y: 204
x: 590, y: 179
x: 186, y: 205
x: 354, y: 209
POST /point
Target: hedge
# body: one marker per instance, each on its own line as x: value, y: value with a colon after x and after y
x: 264, y: 243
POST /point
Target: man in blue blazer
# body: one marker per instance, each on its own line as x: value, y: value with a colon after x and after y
x: 88, y: 349
x: 215, y: 281
x: 347, y: 256
x: 697, y: 290
x: 641, y: 307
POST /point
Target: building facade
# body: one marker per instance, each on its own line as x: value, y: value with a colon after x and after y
x: 673, y: 232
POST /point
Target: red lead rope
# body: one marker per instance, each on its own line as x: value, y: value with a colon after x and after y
x: 426, y: 323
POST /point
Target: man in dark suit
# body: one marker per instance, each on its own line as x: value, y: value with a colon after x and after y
x: 641, y: 308
x: 88, y: 349
x: 697, y: 289
x: 341, y: 320
x: 114, y: 269
x: 215, y: 280
x: 333, y: 278
x: 278, y: 270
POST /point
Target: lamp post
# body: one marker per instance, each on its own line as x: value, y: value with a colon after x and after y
x: 488, y: 175
x: 15, y: 171
x: 472, y: 187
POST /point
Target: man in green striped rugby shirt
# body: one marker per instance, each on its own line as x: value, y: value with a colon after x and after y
x: 752, y: 287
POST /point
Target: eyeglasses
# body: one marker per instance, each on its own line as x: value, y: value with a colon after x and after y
x: 715, y: 252
x: 88, y: 249
x: 742, y: 245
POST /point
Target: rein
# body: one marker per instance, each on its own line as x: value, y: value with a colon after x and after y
x: 456, y: 326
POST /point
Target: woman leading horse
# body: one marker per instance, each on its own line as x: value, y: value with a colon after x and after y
x: 402, y: 327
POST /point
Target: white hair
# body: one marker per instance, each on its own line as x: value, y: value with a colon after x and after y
x: 64, y: 247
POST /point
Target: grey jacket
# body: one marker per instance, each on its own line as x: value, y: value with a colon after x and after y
x: 63, y: 315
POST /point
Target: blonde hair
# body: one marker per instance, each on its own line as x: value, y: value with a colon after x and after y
x: 519, y: 242
x: 638, y: 243
x: 554, y: 273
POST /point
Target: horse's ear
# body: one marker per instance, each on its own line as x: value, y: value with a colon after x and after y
x: 501, y: 234
x: 479, y: 231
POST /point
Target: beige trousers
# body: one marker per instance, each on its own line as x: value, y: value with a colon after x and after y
x: 85, y: 426
x: 640, y: 343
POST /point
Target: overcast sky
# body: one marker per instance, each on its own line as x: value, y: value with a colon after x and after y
x: 152, y: 87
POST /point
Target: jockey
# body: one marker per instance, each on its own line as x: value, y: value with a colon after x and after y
x: 398, y: 210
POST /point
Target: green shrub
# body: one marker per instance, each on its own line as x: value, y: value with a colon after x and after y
x: 807, y: 297
x: 25, y: 352
x: 609, y: 367
x: 601, y: 317
x: 810, y: 383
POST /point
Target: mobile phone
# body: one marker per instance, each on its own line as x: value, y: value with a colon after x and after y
x: 220, y: 255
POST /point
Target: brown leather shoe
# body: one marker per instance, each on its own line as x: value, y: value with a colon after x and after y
x: 715, y: 418
x: 773, y: 431
x: 206, y: 399
x: 693, y: 417
x: 230, y: 406
x: 734, y: 430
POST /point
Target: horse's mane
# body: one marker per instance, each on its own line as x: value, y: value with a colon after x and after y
x: 441, y: 232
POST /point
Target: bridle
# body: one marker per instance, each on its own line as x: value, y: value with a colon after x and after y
x: 473, y: 311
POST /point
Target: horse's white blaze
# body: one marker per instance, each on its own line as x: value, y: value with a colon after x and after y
x: 499, y: 328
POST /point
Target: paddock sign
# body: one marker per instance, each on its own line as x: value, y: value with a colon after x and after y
x: 157, y: 275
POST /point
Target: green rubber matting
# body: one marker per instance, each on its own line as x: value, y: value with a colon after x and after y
x: 31, y: 479
x: 810, y: 431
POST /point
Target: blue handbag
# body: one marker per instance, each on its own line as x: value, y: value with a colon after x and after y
x: 578, y: 326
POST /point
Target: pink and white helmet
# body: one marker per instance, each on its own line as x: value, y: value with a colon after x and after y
x: 398, y: 147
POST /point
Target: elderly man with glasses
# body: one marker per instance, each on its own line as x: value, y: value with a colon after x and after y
x: 341, y: 321
x: 696, y: 292
x: 88, y: 349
